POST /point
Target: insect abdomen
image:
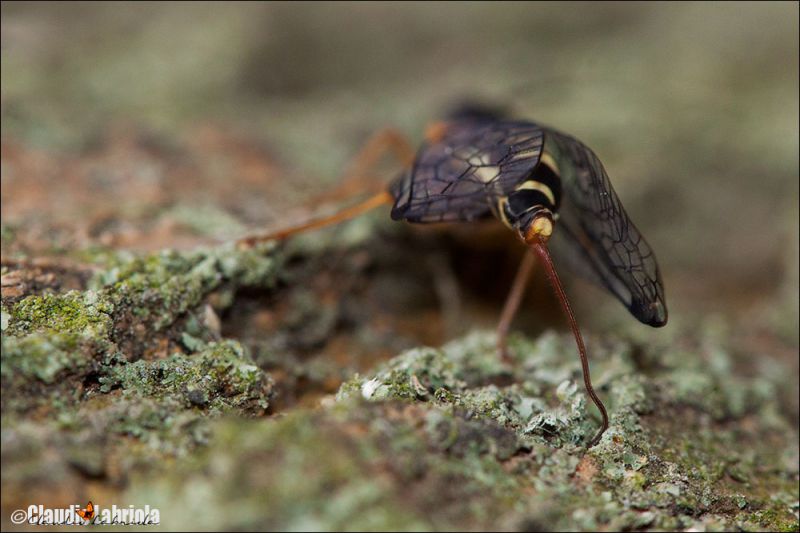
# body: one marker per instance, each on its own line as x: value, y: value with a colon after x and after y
x: 537, y: 195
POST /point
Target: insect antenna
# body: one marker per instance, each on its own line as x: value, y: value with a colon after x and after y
x: 382, y: 198
x: 544, y: 255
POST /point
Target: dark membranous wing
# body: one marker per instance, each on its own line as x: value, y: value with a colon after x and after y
x: 597, y: 239
x: 474, y: 161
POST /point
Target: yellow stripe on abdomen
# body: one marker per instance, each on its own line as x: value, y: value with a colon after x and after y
x: 538, y: 186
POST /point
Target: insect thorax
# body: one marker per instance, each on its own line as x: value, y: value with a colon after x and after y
x: 534, y: 201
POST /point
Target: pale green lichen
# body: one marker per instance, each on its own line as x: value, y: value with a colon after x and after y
x: 432, y: 439
x: 219, y: 378
x: 5, y: 317
x: 53, y: 343
x: 460, y: 376
x: 102, y: 413
x: 642, y: 476
x: 345, y: 469
x: 162, y: 286
x: 85, y: 313
x: 42, y: 356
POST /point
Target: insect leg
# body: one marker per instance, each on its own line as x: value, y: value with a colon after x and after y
x: 512, y: 303
x: 358, y: 178
x: 541, y: 250
x: 384, y: 197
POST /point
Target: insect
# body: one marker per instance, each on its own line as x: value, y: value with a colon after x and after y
x: 88, y: 513
x: 549, y: 188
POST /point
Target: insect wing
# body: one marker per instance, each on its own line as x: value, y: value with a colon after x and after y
x: 597, y: 239
x: 456, y: 177
x: 88, y: 513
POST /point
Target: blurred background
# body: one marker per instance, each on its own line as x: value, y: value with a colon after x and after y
x: 149, y: 125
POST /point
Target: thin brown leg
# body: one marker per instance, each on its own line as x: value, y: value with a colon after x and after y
x: 386, y: 139
x: 512, y: 303
x: 382, y: 198
x: 358, y: 178
x: 541, y: 250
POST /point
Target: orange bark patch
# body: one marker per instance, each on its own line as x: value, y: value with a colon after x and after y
x: 585, y: 471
